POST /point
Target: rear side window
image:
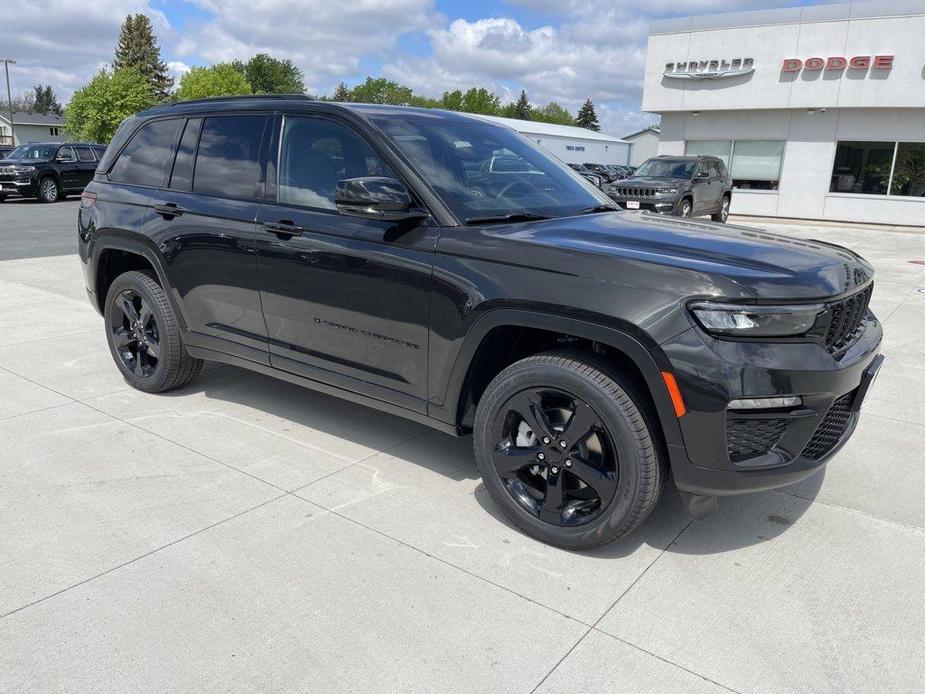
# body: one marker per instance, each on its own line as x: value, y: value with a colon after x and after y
x: 85, y: 154
x: 100, y: 151
x: 182, y: 177
x: 228, y: 161
x: 66, y: 154
x: 146, y: 159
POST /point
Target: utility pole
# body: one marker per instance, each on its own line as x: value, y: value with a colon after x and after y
x: 9, y: 98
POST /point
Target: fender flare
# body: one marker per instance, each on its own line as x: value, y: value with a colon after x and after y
x: 642, y: 351
x: 114, y: 240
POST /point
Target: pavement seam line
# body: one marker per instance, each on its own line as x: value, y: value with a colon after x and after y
x: 45, y: 339
x: 443, y: 561
x: 665, y: 660
x: 141, y: 556
x: 918, y: 530
x: 593, y: 627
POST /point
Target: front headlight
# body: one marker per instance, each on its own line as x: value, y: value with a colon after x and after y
x: 24, y: 169
x: 756, y: 321
x: 668, y: 191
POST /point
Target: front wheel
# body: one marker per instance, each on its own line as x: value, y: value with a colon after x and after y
x: 144, y: 335
x: 48, y: 189
x: 723, y: 213
x: 686, y: 208
x: 565, y: 451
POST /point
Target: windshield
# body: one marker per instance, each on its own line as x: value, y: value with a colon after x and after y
x: 667, y: 168
x: 484, y: 170
x: 33, y: 152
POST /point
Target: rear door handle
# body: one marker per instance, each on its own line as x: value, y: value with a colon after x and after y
x: 168, y: 209
x: 284, y: 227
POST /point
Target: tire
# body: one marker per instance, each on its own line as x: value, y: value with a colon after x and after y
x: 2, y: 199
x: 48, y: 189
x: 723, y: 213
x: 685, y: 208
x: 626, y: 489
x: 161, y: 363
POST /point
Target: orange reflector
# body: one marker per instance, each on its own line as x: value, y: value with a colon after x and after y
x: 675, y: 393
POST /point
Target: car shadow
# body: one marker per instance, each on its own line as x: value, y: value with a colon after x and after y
x: 739, y: 522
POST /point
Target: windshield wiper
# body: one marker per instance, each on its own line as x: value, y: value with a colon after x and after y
x: 599, y: 208
x: 505, y: 218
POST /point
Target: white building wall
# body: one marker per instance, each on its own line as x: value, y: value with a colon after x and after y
x: 575, y: 151
x: 24, y: 134
x: 808, y: 158
x: 644, y: 146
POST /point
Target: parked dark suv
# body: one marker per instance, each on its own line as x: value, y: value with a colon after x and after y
x: 680, y: 186
x: 367, y: 251
x: 48, y: 170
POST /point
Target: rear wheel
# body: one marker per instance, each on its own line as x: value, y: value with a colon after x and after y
x: 565, y: 451
x: 48, y: 189
x: 723, y: 213
x: 144, y: 336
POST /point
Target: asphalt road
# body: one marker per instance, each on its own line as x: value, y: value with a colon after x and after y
x: 31, y: 229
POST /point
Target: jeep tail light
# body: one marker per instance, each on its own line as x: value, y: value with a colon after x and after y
x: 87, y: 199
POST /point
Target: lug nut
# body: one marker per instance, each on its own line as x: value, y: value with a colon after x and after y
x: 546, y: 440
x: 563, y: 444
x: 555, y: 469
x: 568, y: 463
x: 541, y: 456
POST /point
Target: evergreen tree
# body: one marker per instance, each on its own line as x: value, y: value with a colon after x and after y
x: 45, y: 100
x: 587, y: 118
x: 138, y: 49
x: 342, y: 93
x: 522, y: 106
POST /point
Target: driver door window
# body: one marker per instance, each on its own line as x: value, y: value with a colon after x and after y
x: 315, y: 154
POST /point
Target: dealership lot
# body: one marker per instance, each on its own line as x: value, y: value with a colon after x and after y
x: 245, y: 534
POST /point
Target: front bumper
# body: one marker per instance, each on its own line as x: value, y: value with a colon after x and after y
x: 17, y: 187
x: 711, y: 372
x: 657, y: 204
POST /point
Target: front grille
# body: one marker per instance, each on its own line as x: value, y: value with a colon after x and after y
x: 832, y: 428
x: 747, y: 438
x: 847, y: 318
x: 637, y: 192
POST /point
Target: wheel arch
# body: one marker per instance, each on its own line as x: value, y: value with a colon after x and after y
x: 114, y: 253
x: 624, y: 345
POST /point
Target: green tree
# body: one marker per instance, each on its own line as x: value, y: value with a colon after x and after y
x: 587, y: 117
x: 268, y: 75
x: 221, y: 79
x: 452, y: 101
x: 95, y: 111
x: 137, y: 48
x: 342, y: 94
x: 381, y: 91
x: 425, y: 102
x: 553, y: 113
x: 521, y: 108
x: 480, y: 100
x: 45, y: 100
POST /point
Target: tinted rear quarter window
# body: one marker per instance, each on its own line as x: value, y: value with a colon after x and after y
x: 85, y: 154
x: 228, y: 160
x: 147, y: 157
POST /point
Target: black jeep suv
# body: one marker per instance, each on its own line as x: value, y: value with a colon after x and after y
x: 48, y: 170
x: 680, y: 186
x: 368, y: 252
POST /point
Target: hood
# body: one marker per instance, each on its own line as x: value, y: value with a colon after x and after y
x: 652, y: 182
x: 22, y: 162
x: 765, y: 265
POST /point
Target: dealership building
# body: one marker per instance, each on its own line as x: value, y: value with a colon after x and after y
x: 818, y: 112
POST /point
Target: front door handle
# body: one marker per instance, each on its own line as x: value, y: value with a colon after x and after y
x: 168, y: 209
x: 283, y: 228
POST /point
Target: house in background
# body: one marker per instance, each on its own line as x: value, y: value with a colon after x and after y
x: 644, y: 144
x: 31, y: 127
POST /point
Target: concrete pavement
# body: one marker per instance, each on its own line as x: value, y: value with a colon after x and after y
x: 245, y: 534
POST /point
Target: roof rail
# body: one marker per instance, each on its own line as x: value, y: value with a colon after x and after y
x: 210, y: 99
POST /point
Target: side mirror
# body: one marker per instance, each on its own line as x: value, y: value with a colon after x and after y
x: 376, y: 197
x: 703, y: 174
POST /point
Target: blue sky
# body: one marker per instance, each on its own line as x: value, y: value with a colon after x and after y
x: 558, y: 50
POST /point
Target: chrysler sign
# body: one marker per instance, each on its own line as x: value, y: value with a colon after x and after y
x: 710, y: 69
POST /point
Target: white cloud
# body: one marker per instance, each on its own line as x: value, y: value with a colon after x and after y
x: 327, y: 40
x: 64, y: 43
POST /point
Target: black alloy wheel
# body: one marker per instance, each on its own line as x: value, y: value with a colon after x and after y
x: 144, y: 335
x: 567, y: 449
x: 135, y: 334
x: 555, y: 456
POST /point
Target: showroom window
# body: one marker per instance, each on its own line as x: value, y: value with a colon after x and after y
x: 753, y: 164
x: 879, y: 168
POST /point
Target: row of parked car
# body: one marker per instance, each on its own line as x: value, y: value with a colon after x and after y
x: 602, y: 174
x: 48, y: 171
